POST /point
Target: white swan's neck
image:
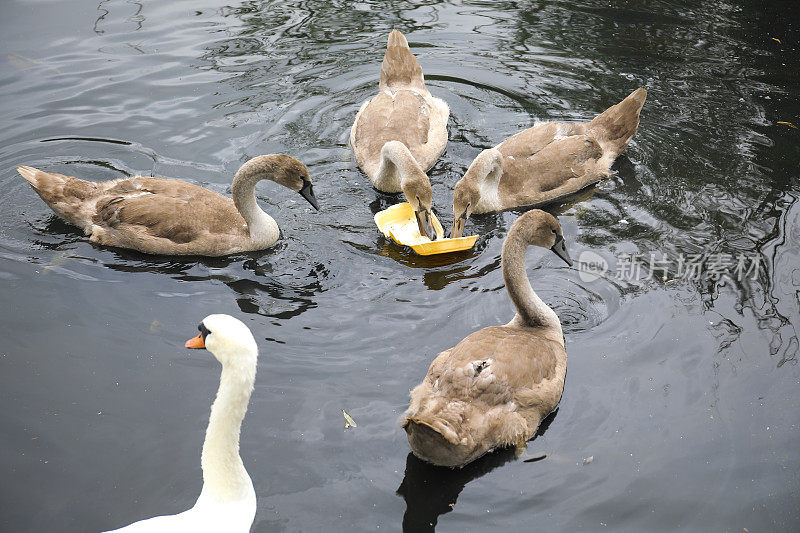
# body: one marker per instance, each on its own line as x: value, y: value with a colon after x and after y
x: 397, y: 162
x: 224, y: 476
x: 262, y: 228
x: 531, y: 310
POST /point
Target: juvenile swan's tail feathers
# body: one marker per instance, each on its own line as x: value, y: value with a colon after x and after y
x: 68, y: 197
x: 615, y: 126
x: 442, y: 428
x: 30, y: 174
x: 400, y: 69
x: 430, y: 444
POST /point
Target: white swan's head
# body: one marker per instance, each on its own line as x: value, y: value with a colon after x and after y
x: 227, y: 338
x: 480, y: 180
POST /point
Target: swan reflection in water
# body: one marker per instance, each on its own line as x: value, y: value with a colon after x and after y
x: 431, y: 491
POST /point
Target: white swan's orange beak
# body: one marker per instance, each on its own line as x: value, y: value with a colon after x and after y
x: 196, y: 342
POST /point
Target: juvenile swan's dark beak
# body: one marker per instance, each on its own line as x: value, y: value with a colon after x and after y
x: 425, y: 224
x: 458, y: 226
x: 307, y: 192
x: 560, y: 249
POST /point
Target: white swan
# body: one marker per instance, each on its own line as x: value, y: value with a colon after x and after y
x: 227, y: 502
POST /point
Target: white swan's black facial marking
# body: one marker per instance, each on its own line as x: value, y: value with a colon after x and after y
x: 203, y: 331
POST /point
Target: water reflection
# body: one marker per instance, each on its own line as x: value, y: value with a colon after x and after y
x: 280, y: 296
x: 52, y: 225
x: 772, y: 298
x: 249, y: 275
x: 709, y: 171
x: 431, y: 491
x: 734, y: 201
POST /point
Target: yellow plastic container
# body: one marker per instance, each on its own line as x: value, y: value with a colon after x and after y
x: 399, y: 224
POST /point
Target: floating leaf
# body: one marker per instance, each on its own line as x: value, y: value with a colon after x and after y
x: 349, y: 420
x: 537, y: 457
x: 788, y: 124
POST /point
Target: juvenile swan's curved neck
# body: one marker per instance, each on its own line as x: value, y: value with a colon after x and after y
x: 396, y: 163
x: 261, y: 226
x: 485, y: 173
x: 531, y: 310
x: 224, y: 475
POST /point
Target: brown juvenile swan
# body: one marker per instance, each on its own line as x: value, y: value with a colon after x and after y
x: 400, y: 133
x: 173, y: 217
x: 546, y: 162
x: 494, y: 387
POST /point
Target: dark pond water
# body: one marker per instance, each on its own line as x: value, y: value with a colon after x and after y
x: 682, y: 403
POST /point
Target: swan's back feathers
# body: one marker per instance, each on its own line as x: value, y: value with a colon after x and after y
x: 167, y: 208
x: 531, y: 141
x: 613, y: 129
x: 488, y: 363
x: 615, y: 126
x: 169, y: 216
x: 489, y: 391
x: 561, y: 166
x: 400, y: 69
x: 403, y: 110
x: 404, y: 116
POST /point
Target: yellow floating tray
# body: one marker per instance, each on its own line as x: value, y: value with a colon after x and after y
x: 399, y: 224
